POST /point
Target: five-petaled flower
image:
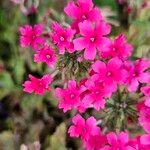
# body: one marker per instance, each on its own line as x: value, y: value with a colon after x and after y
x: 92, y: 38
x: 46, y: 55
x: 32, y: 36
x: 83, y: 128
x: 39, y: 86
x: 83, y: 10
x: 62, y: 37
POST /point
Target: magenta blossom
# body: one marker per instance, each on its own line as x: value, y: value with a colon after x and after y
x: 62, y: 37
x: 139, y: 144
x: 111, y: 73
x: 145, y: 140
x: 31, y: 36
x: 118, y: 142
x: 39, y: 86
x: 117, y: 48
x: 82, y: 10
x: 69, y: 97
x: 146, y: 90
x: 83, y: 128
x: 137, y: 73
x: 47, y: 55
x: 95, y: 142
x: 92, y: 38
x: 97, y: 92
x: 144, y: 117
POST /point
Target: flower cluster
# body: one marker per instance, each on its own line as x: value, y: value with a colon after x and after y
x: 112, y: 74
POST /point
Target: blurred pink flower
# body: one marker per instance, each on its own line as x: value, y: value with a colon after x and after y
x: 144, y: 117
x: 31, y: 36
x: 137, y: 73
x: 39, y: 86
x: 145, y: 139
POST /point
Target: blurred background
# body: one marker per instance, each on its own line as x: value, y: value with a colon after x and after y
x: 30, y: 119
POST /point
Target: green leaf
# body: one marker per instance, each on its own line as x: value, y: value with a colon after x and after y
x: 58, y: 139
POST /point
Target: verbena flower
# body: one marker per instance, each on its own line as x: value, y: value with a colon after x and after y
x: 144, y: 117
x: 92, y: 37
x: 31, y: 36
x: 108, y: 74
x: 39, y: 86
x: 46, y: 55
x: 137, y: 73
x: 69, y: 97
x: 62, y: 37
x: 145, y: 140
x: 82, y: 10
x: 83, y: 128
x: 117, y: 48
x: 119, y: 141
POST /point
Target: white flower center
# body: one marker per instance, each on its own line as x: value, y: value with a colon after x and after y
x: 62, y: 38
x: 109, y: 73
x: 48, y: 56
x: 92, y: 39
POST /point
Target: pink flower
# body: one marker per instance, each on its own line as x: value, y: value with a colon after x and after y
x: 95, y: 142
x: 146, y: 90
x: 47, y: 55
x: 138, y: 144
x: 144, y: 117
x: 83, y: 128
x: 92, y: 38
x: 117, y: 48
x: 145, y: 139
x: 62, y: 37
x: 97, y: 92
x: 82, y: 10
x: 137, y: 73
x: 119, y: 141
x: 69, y: 97
x: 112, y: 73
x: 31, y: 36
x: 39, y: 86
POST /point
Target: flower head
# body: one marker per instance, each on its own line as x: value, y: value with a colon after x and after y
x: 83, y: 128
x: 111, y: 73
x: 39, y: 86
x: 145, y: 140
x: 144, y: 117
x: 62, y: 37
x: 47, y: 55
x: 92, y: 38
x: 97, y: 92
x: 69, y: 97
x: 31, y: 36
x: 117, y: 48
x: 119, y: 141
x: 82, y: 10
x: 137, y: 73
